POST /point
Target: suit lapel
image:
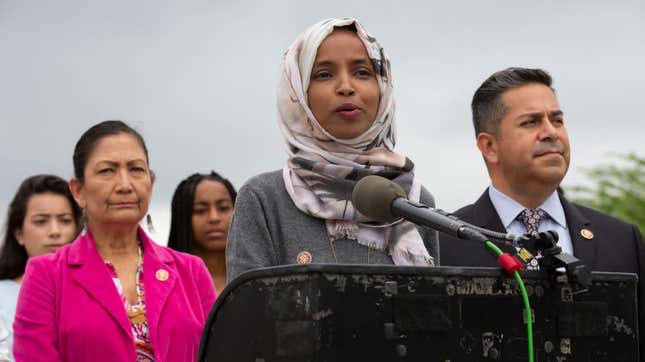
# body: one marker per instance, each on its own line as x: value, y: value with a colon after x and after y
x: 485, y: 215
x: 88, y: 270
x: 160, y: 276
x: 583, y: 249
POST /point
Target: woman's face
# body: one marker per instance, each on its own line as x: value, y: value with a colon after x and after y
x: 212, y: 211
x: 117, y: 184
x: 343, y: 91
x: 48, y: 224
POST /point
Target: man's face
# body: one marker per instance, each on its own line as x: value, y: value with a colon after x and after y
x: 531, y: 147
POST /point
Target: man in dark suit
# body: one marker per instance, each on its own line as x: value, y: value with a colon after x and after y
x: 521, y: 134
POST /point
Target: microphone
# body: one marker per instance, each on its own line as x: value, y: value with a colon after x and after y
x: 383, y: 200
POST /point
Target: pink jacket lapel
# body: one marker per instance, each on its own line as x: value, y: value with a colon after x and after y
x: 89, y: 271
x: 160, y: 275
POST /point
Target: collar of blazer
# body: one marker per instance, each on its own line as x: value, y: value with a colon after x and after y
x: 90, y: 272
x: 483, y: 214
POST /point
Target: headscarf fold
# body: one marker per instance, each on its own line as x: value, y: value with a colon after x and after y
x: 322, y: 170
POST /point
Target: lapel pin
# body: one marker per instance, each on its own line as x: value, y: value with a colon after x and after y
x: 586, y: 233
x: 525, y: 255
x: 304, y: 257
x: 162, y: 275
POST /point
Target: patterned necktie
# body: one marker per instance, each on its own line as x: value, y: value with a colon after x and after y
x: 531, y: 219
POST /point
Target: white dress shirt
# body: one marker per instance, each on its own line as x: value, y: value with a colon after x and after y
x: 508, y: 209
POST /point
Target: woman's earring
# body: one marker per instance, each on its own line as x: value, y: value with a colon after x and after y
x: 151, y: 228
x: 83, y: 222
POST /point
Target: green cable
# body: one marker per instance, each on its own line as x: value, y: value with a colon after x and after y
x: 527, y: 305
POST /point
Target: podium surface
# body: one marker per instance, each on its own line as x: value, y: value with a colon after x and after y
x: 384, y: 313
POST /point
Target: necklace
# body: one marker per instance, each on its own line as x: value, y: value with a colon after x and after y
x: 136, y: 312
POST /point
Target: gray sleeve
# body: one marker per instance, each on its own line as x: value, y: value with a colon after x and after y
x: 249, y: 244
x: 430, y: 236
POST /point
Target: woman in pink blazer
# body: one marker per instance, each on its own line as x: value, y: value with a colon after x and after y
x: 113, y: 294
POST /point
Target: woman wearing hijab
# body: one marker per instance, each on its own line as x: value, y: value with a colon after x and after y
x: 336, y: 113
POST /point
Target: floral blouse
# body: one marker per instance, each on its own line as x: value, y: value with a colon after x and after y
x: 136, y: 312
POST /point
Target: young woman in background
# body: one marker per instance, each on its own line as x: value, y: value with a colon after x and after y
x: 201, y: 211
x: 42, y: 217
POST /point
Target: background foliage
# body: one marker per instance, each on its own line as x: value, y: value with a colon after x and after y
x: 617, y: 189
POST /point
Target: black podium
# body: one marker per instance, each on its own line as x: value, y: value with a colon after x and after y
x: 381, y: 313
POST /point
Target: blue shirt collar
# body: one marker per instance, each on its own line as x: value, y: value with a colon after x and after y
x: 508, y: 209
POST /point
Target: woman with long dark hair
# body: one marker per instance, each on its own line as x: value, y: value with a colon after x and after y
x: 201, y: 211
x: 42, y: 217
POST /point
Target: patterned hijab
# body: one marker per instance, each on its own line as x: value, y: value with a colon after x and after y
x: 322, y: 170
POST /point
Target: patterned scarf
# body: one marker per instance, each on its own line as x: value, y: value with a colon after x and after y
x: 322, y: 170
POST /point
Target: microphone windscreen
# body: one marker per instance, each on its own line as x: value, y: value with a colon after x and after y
x: 373, y: 196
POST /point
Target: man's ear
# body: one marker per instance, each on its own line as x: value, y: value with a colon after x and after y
x: 487, y: 144
x: 75, y: 187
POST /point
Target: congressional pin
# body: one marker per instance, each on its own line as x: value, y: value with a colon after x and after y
x: 304, y: 257
x: 162, y: 275
x: 586, y: 233
x: 525, y: 255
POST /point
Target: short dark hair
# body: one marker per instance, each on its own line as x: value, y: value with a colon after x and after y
x: 487, y: 106
x: 180, y: 237
x: 13, y: 256
x: 92, y: 136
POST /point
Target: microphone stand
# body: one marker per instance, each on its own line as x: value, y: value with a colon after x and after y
x: 577, y: 274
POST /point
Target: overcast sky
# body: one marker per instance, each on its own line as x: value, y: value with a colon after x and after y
x: 198, y: 79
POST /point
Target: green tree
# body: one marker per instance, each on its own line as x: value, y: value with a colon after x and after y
x: 617, y: 189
